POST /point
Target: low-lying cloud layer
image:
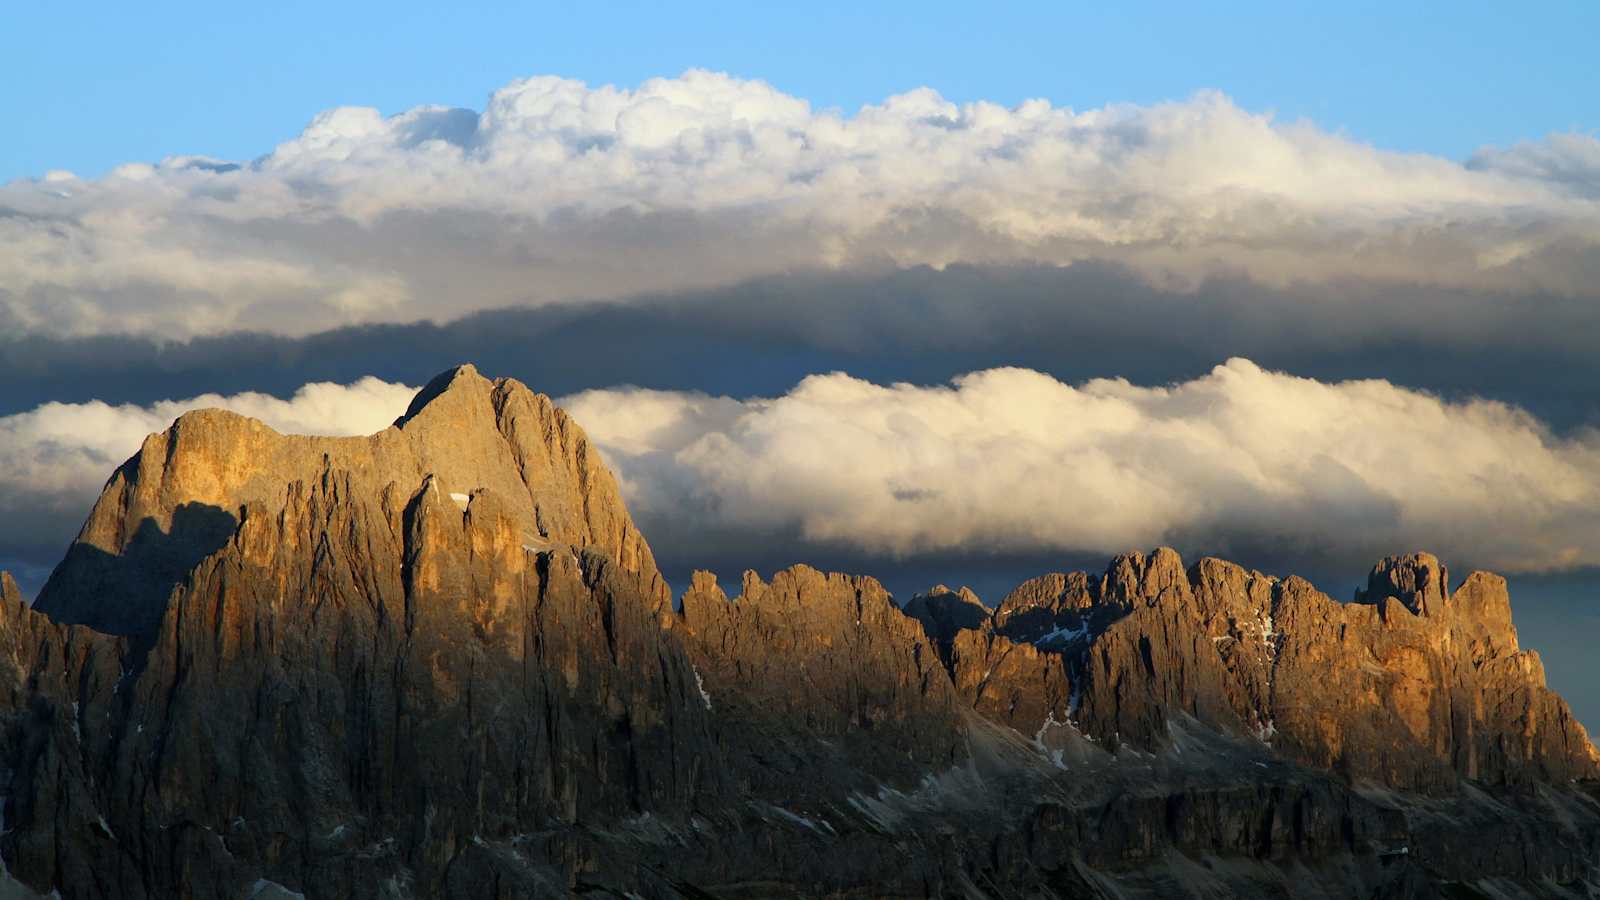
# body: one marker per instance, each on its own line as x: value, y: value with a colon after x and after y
x: 1285, y: 472
x: 1010, y: 461
x: 59, y: 455
x: 560, y: 190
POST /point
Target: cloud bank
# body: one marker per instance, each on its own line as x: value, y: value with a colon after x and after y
x: 1245, y: 462
x: 561, y: 190
x: 1241, y: 461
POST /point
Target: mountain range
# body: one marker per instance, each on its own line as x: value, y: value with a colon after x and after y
x: 441, y: 661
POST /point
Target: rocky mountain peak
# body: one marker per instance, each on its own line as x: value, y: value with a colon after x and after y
x: 461, y: 384
x: 1137, y: 578
x: 439, y: 661
x: 182, y: 496
x: 1482, y: 607
x: 1475, y: 618
x: 1418, y: 580
x: 943, y: 613
x: 941, y: 596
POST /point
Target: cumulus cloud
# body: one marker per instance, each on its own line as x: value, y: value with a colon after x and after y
x: 1240, y: 461
x: 562, y: 190
x: 59, y: 455
x: 1011, y: 463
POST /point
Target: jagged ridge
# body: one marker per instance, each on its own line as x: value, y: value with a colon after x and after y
x: 359, y: 684
x: 1412, y: 685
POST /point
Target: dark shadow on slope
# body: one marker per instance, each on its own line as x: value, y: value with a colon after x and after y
x: 944, y: 613
x: 126, y: 594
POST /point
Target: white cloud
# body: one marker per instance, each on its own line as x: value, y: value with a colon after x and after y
x: 1011, y: 460
x: 104, y: 436
x: 559, y: 190
x: 1003, y: 461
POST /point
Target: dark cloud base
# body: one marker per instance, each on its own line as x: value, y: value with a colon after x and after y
x: 922, y: 325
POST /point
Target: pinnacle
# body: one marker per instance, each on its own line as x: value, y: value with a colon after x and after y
x: 1418, y: 580
x: 459, y: 380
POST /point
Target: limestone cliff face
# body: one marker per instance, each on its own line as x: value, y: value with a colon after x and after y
x: 395, y: 655
x: 440, y: 662
x: 813, y: 661
x: 183, y: 495
x: 1015, y: 684
x: 1414, y: 685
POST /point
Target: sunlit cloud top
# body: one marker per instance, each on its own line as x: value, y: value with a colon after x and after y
x: 1241, y: 461
x: 561, y: 190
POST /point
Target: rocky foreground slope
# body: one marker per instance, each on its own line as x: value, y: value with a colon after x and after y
x: 440, y: 662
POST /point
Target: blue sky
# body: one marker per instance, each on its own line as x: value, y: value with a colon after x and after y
x: 131, y: 82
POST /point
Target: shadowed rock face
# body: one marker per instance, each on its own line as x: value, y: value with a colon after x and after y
x: 944, y: 613
x: 819, y: 681
x: 440, y: 662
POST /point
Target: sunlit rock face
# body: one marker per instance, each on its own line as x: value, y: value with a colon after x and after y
x: 819, y: 681
x: 186, y: 491
x: 440, y: 662
x: 1413, y: 686
x: 380, y: 651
